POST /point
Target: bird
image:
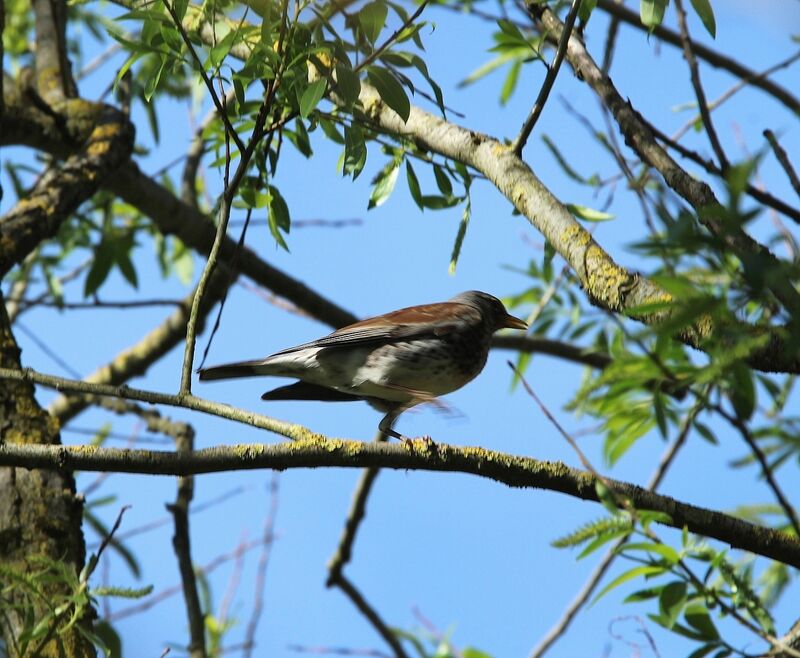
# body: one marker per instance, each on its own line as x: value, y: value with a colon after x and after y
x: 392, y: 361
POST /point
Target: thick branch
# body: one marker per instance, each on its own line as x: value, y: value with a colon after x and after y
x: 54, y: 80
x: 607, y: 283
x: 316, y: 452
x: 174, y: 217
x: 640, y: 138
x: 59, y: 192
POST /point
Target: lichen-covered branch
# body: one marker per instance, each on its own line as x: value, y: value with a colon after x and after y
x: 640, y: 138
x: 59, y: 192
x: 316, y: 451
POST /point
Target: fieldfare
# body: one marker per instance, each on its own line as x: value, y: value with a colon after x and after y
x: 392, y: 361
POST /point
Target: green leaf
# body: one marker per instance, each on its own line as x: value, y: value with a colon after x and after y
x: 125, y: 266
x: 462, y: 231
x: 311, y: 97
x: 109, y: 637
x: 671, y: 601
x: 510, y: 83
x: 705, y: 432
x: 101, y: 266
x: 355, y: 151
x: 652, y: 12
x: 636, y: 572
x: 348, y: 84
x: 390, y: 91
x: 372, y: 18
x: 413, y: 185
x: 698, y: 618
x: 742, y: 391
x: 667, y: 552
x: 589, y: 214
x: 706, y: 14
x: 384, y: 184
x: 151, y: 83
x: 442, y: 181
x: 279, y: 219
x: 606, y: 497
x: 586, y: 9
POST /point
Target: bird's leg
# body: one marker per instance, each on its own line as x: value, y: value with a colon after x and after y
x: 386, y: 423
x: 388, y: 420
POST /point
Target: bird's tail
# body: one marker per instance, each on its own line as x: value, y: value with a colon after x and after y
x: 235, y: 370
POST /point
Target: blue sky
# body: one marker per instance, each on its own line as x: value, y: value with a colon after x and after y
x: 473, y: 556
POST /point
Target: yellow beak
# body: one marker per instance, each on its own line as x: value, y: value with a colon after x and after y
x: 514, y: 323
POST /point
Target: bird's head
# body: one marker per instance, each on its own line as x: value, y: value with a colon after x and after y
x: 491, y: 309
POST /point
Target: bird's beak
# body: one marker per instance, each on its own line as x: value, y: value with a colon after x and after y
x: 511, y: 322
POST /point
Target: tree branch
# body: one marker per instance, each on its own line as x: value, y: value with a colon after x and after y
x: 712, y: 57
x: 59, y: 192
x: 639, y: 137
x: 694, y: 72
x: 316, y: 451
x: 136, y: 359
x: 549, y: 80
x: 181, y: 542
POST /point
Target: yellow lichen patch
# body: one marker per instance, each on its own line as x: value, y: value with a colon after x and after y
x: 83, y: 450
x: 101, y: 137
x: 248, y: 451
x: 499, y: 149
x: 605, y: 279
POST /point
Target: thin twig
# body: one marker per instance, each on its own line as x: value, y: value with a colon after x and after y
x: 343, y: 553
x: 729, y: 93
x: 549, y: 80
x: 372, y: 616
x: 560, y: 627
x: 268, y: 539
x: 712, y: 57
x: 289, y: 430
x: 783, y: 158
x: 766, y: 471
x: 231, y: 186
x: 759, y: 195
x: 229, y: 129
x: 694, y: 72
x: 182, y: 545
x: 387, y: 44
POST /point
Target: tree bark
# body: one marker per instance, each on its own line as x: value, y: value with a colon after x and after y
x: 40, y: 520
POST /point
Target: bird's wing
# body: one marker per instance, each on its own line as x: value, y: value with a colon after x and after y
x: 404, y: 324
x: 308, y: 391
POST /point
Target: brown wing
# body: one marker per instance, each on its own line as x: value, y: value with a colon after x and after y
x: 404, y: 324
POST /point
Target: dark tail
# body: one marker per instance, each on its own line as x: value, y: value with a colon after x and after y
x: 306, y: 391
x: 232, y: 370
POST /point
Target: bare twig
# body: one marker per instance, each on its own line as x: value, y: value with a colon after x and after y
x: 729, y: 93
x: 372, y: 616
x: 560, y: 627
x: 229, y: 129
x: 182, y: 544
x: 766, y: 470
x: 708, y: 55
x: 549, y: 80
x: 783, y: 158
x: 268, y: 538
x: 694, y: 72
